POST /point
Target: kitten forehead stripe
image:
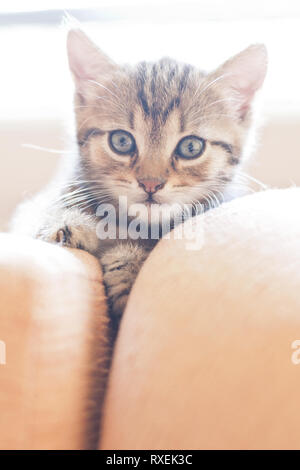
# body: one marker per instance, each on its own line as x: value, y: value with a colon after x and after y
x: 131, y: 120
x: 227, y: 147
x: 174, y: 103
x: 233, y: 159
x: 140, y: 82
x: 155, y: 81
x: 184, y: 78
x: 84, y: 135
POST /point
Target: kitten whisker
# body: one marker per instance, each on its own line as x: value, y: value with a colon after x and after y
x: 46, y: 149
x: 199, y: 119
x: 105, y: 88
x: 84, y: 122
x: 103, y: 98
x: 251, y: 178
x: 213, y: 82
x: 220, y: 101
x: 84, y: 202
x: 118, y: 103
x: 90, y: 106
x: 200, y: 91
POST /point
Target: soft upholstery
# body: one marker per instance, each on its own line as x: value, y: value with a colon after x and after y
x: 204, y: 357
x: 204, y: 354
x: 54, y: 323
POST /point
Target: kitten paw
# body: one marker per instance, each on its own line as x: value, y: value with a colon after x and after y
x: 80, y: 237
x: 64, y: 236
x: 121, y: 266
x: 73, y: 230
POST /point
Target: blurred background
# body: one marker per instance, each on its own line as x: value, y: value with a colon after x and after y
x: 36, y: 88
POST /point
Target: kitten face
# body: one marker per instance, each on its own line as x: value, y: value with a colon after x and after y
x: 162, y: 132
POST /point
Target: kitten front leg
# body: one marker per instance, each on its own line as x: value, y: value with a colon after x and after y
x: 49, y: 221
x: 71, y: 228
x: 121, y: 265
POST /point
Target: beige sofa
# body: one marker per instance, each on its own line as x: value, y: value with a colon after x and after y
x: 207, y: 351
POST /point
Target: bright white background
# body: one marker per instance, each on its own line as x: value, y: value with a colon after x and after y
x: 36, y: 89
x: 35, y: 81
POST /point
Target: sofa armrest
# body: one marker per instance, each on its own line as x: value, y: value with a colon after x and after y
x: 208, y: 352
x: 54, y: 333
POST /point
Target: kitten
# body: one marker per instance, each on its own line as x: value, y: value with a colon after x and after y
x: 155, y: 133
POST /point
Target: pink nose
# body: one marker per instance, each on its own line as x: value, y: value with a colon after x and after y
x: 151, y: 185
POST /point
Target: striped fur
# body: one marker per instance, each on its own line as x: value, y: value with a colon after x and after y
x: 159, y: 104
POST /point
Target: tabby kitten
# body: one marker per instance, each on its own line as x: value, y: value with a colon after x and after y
x: 155, y: 133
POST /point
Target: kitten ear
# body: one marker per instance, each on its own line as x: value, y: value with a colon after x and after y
x: 86, y: 60
x: 244, y: 74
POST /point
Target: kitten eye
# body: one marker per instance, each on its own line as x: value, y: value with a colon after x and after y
x: 122, y: 142
x: 190, y: 147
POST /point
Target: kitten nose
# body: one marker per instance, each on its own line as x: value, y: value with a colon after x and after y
x: 151, y: 185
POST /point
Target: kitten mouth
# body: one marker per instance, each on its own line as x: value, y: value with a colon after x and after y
x: 150, y: 200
